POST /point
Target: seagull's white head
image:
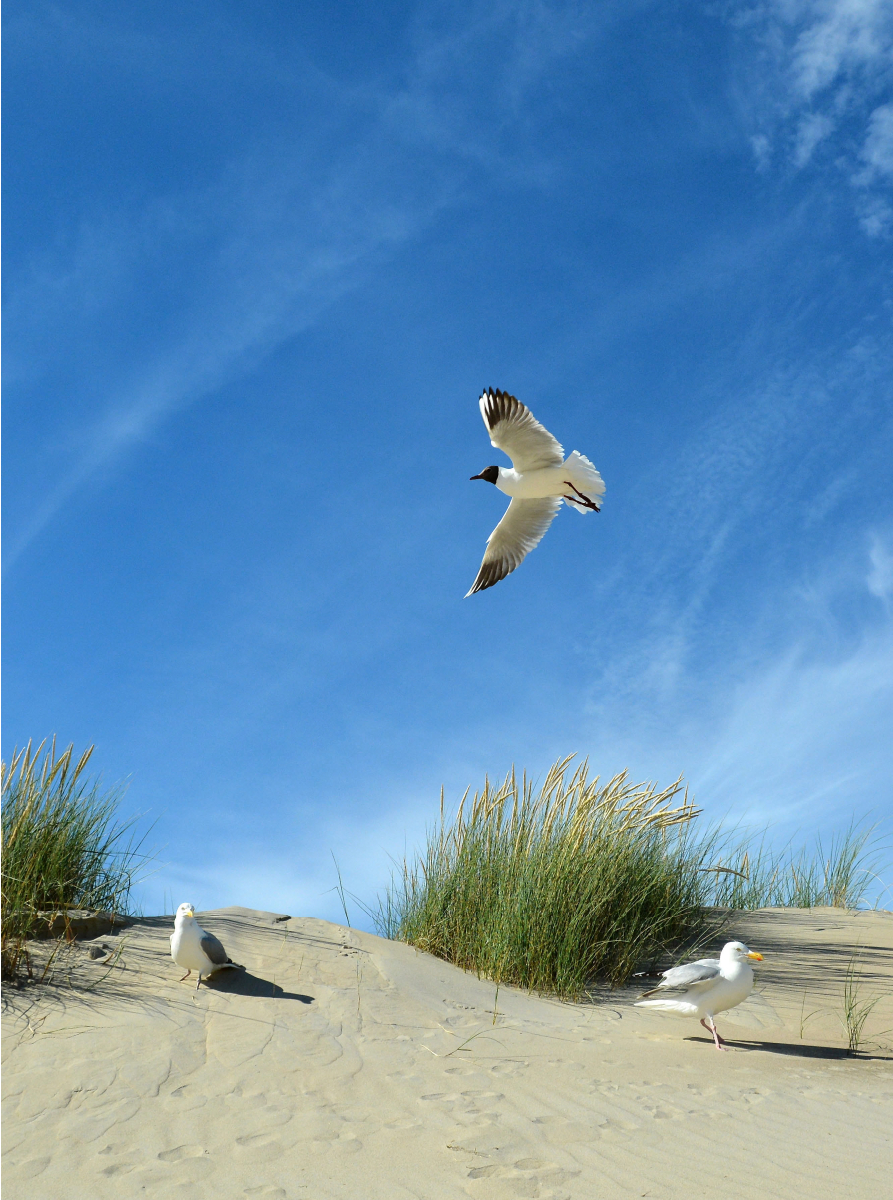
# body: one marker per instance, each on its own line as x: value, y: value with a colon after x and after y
x: 738, y: 952
x: 491, y: 474
x: 185, y: 911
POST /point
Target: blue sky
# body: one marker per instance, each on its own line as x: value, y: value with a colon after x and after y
x: 260, y: 262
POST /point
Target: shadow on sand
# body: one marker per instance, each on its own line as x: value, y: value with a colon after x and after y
x: 794, y: 1049
x: 243, y: 983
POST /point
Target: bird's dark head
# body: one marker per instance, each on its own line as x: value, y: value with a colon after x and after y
x: 491, y: 474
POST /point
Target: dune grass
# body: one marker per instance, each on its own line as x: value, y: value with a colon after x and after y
x: 549, y: 889
x: 752, y: 875
x: 62, y: 847
x: 857, y: 1008
x: 556, y: 888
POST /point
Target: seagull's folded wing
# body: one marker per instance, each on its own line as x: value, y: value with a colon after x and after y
x: 691, y: 977
x: 214, y: 949
x: 521, y: 529
x: 514, y: 429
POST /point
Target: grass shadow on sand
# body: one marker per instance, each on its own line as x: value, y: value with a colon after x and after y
x: 139, y: 974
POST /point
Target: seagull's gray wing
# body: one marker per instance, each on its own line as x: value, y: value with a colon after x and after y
x: 214, y: 949
x: 514, y: 429
x: 690, y: 977
x: 521, y: 529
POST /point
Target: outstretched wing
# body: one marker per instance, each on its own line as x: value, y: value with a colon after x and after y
x: 514, y: 429
x: 521, y: 529
x: 690, y: 977
x: 214, y: 949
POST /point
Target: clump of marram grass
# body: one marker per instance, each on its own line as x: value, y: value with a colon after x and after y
x: 749, y: 876
x: 575, y: 883
x: 550, y: 890
x: 62, y: 847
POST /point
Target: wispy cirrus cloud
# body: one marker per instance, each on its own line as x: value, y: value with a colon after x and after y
x: 813, y: 78
x: 287, y: 226
x: 763, y: 672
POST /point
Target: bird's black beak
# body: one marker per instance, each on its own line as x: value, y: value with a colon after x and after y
x: 481, y: 476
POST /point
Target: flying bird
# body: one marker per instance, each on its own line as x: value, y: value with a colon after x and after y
x: 194, y: 948
x: 706, y: 987
x: 537, y: 481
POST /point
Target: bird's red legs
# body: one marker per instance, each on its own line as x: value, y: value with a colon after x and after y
x: 188, y: 973
x: 711, y: 1028
x: 584, y: 500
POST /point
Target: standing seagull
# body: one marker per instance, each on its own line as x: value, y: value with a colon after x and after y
x: 537, y: 481
x: 194, y: 948
x: 704, y: 988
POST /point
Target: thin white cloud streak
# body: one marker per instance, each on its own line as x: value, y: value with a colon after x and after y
x: 813, y: 128
x: 812, y: 69
x: 750, y: 463
x: 299, y: 876
x: 877, y: 151
x: 835, y: 38
x: 790, y: 742
x: 791, y: 734
x: 879, y: 579
x: 289, y: 239
x: 799, y: 739
x: 776, y: 707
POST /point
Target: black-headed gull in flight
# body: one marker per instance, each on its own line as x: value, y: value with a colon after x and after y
x: 537, y: 481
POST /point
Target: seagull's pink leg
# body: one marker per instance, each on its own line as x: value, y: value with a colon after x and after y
x: 583, y: 500
x: 186, y: 976
x: 720, y: 1044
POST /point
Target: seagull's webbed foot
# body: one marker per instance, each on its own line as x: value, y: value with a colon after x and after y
x: 580, y: 498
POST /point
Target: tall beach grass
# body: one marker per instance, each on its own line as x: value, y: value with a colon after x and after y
x: 550, y: 888
x: 839, y: 874
x: 63, y: 847
x: 555, y: 888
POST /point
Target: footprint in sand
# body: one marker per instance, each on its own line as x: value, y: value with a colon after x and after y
x: 118, y: 1169
x: 115, y: 1148
x: 258, y: 1139
x: 188, y: 1097
x: 527, y: 1176
x: 32, y: 1167
x: 180, y: 1152
x: 507, y: 1069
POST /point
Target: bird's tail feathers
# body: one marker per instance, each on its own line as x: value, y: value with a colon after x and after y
x: 680, y: 1007
x: 582, y: 471
x: 584, y: 476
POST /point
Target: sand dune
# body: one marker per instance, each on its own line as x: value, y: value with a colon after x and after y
x: 341, y: 1065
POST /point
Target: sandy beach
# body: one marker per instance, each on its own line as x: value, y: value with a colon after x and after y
x: 339, y: 1064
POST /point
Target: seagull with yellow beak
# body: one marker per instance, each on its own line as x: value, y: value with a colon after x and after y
x: 704, y: 988
x: 194, y: 948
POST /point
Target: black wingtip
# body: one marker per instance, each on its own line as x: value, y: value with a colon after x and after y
x: 490, y: 573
